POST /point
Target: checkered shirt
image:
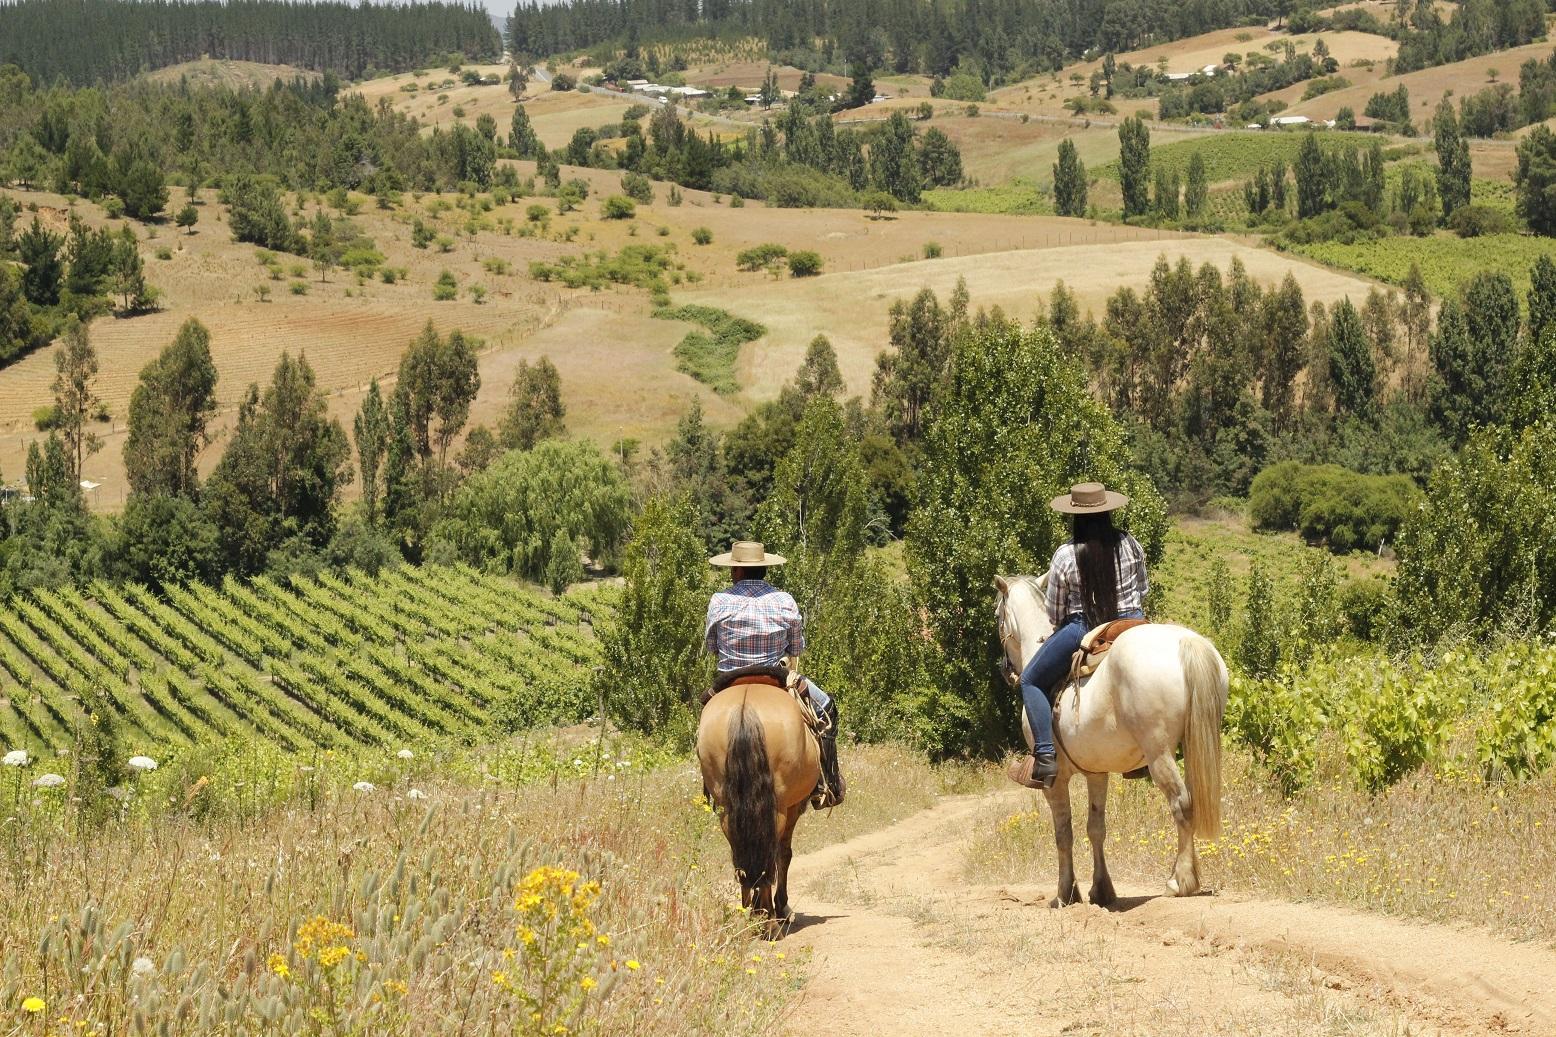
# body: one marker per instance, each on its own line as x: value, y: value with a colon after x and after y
x: 1064, y: 582
x: 753, y: 624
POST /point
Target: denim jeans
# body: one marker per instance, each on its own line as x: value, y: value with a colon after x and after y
x: 1047, y: 668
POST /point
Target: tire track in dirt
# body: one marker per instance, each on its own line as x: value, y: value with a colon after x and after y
x: 900, y: 943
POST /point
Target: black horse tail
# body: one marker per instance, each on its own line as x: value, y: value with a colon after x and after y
x: 750, y: 801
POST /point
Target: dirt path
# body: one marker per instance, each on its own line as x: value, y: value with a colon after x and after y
x: 901, y: 944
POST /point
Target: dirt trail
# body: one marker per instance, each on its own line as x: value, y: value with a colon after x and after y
x: 902, y: 944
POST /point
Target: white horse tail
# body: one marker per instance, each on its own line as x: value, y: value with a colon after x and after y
x: 1205, y: 678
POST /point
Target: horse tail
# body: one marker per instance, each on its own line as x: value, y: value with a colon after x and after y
x: 750, y: 800
x: 1205, y: 677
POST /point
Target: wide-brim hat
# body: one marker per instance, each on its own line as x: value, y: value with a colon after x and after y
x: 746, y: 553
x: 1088, y: 498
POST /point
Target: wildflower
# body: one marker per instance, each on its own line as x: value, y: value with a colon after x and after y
x: 415, y: 794
x: 500, y: 979
x: 278, y: 965
x: 587, y: 983
x: 633, y: 964
x: 33, y: 1005
x: 364, y: 786
x: 49, y: 781
x: 405, y: 754
x: 143, y: 966
x: 16, y: 758
x: 142, y: 763
x: 329, y: 957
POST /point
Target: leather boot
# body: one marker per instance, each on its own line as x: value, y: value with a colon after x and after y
x: 830, y: 789
x: 1035, y: 771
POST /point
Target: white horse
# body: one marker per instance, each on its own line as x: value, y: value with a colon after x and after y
x: 1160, y: 686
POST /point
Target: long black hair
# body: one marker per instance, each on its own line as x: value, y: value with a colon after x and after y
x: 1096, y: 556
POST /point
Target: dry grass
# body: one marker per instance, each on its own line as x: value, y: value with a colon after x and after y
x: 851, y: 307
x: 1427, y: 86
x: 425, y: 882
x: 1433, y: 848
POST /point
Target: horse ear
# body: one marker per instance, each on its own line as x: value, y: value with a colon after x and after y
x: 1002, y: 585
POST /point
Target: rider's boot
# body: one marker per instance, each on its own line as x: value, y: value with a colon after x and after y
x: 1035, y: 770
x: 830, y: 788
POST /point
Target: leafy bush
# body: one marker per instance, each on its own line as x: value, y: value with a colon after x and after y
x: 804, y: 263
x: 1472, y: 221
x: 446, y: 288
x: 618, y: 207
x: 702, y: 236
x: 932, y: 250
x: 640, y: 265
x: 1477, y: 555
x: 638, y: 187
x: 760, y: 257
x: 1330, y: 504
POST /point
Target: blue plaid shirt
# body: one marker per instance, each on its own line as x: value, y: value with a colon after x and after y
x: 753, y: 623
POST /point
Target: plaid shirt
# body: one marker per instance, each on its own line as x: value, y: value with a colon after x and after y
x: 753, y: 624
x: 1064, y: 582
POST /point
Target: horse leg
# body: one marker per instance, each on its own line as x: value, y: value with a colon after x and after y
x: 785, y: 857
x: 1064, y: 839
x: 1102, y: 893
x: 1184, y: 881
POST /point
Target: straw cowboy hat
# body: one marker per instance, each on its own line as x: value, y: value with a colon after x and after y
x: 1088, y: 498
x: 744, y: 554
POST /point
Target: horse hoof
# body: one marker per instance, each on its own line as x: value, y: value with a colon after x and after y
x: 1103, y: 897
x: 1065, y: 900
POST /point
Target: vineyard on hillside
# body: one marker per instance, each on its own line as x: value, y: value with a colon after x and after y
x: 410, y: 655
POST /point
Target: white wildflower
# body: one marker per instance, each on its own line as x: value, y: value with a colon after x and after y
x: 415, y: 794
x: 143, y: 966
x: 16, y: 758
x: 143, y: 763
x: 364, y: 786
x: 49, y: 781
x: 577, y: 762
x: 405, y: 754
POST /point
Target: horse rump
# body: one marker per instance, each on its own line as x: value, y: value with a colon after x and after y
x: 749, y: 801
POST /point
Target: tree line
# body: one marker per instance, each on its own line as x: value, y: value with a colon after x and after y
x: 991, y: 39
x: 92, y: 41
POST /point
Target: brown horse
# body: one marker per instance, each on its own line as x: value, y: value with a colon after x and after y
x: 760, y: 764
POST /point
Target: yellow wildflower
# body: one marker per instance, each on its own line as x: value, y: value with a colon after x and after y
x: 278, y: 965
x: 329, y: 957
x: 33, y: 1005
x: 633, y: 964
x: 500, y: 979
x: 587, y: 983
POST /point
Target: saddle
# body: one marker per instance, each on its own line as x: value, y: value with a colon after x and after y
x: 780, y: 677
x: 1095, y: 645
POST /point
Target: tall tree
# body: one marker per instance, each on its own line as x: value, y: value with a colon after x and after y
x: 1134, y: 160
x: 1453, y: 160
x: 535, y: 410
x: 907, y: 377
x: 170, y: 411
x: 1285, y: 327
x: 75, y: 402
x: 278, y: 478
x: 521, y: 135
x: 441, y: 379
x: 1196, y: 191
x: 1535, y: 178
x: 1312, y: 174
x: 370, y: 429
x: 39, y: 250
x: 1351, y: 369
x: 893, y: 164
x: 1069, y: 181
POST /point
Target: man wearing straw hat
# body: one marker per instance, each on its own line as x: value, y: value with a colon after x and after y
x: 755, y: 628
x: 1096, y: 577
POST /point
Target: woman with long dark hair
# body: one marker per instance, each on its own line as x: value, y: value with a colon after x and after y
x: 1095, y: 578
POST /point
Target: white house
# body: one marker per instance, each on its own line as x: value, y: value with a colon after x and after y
x: 1290, y: 120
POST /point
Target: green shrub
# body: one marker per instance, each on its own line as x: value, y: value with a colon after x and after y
x: 640, y: 265
x: 618, y: 207
x: 702, y: 236
x: 1366, y: 605
x: 1472, y: 221
x: 805, y: 263
x: 537, y: 213
x: 46, y: 418
x: 760, y: 257
x: 1330, y: 504
x: 446, y: 289
x: 638, y: 187
x: 932, y: 250
x: 711, y: 358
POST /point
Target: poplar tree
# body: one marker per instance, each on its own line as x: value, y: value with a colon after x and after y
x: 1069, y: 181
x: 1134, y: 160
x: 1453, y: 160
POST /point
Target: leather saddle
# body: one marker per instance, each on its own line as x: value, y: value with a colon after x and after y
x: 1095, y: 646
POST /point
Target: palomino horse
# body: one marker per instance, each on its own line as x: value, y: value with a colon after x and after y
x: 1159, y: 687
x: 760, y: 764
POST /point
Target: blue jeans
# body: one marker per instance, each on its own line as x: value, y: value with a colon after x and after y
x: 1049, y: 666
